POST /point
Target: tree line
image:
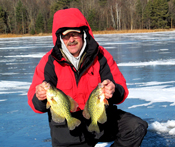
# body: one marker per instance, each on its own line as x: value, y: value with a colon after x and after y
x: 36, y: 16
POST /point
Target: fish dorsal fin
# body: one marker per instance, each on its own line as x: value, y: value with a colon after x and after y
x: 103, y: 118
x: 73, y: 104
x: 56, y: 117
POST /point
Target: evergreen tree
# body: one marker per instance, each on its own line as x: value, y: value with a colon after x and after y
x: 163, y: 14
x: 21, y: 15
x: 102, y: 3
x: 4, y: 26
x: 21, y: 18
x: 139, y: 14
x: 55, y: 7
x: 155, y: 14
x: 173, y: 15
x: 49, y: 24
x: 93, y: 20
x: 160, y: 14
x: 147, y: 14
x: 39, y: 26
x: 59, y: 5
x: 2, y: 15
x: 171, y: 12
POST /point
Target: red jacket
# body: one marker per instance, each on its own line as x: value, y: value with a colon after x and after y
x: 97, y: 66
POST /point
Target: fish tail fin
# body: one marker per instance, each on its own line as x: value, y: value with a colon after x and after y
x: 93, y: 127
x: 73, y: 122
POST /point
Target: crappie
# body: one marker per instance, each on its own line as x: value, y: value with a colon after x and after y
x: 60, y: 106
x: 95, y: 108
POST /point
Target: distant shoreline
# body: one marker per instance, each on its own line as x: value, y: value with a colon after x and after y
x: 94, y: 32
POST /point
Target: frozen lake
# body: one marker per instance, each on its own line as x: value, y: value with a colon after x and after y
x: 146, y: 60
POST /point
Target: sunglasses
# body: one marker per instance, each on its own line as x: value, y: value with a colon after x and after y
x: 71, y: 34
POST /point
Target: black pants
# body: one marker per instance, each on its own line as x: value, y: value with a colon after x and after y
x: 125, y: 129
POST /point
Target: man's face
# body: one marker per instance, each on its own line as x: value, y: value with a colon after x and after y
x: 73, y: 42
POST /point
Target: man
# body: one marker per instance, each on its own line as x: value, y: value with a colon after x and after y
x: 76, y: 65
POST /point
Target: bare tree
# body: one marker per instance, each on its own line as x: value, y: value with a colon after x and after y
x: 118, y: 13
x: 131, y: 8
x: 32, y: 9
x: 171, y: 5
x: 112, y: 18
x: 45, y: 11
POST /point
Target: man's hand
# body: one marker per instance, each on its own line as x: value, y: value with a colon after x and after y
x: 109, y: 88
x: 41, y: 92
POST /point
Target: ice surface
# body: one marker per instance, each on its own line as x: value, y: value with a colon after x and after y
x: 8, y: 87
x: 147, y: 61
x: 153, y: 92
x: 38, y: 55
x: 150, y: 63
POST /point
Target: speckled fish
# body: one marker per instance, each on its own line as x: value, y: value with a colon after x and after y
x: 95, y: 108
x: 60, y: 106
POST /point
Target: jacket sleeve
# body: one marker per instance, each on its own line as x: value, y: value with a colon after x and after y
x: 44, y: 71
x: 109, y: 70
